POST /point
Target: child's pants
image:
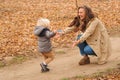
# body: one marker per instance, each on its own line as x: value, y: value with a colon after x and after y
x: 48, y: 57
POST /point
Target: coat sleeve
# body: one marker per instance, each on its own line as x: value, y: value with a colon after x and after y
x: 68, y: 29
x: 89, y: 31
x: 49, y: 34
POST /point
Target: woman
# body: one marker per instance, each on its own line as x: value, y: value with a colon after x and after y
x: 94, y: 39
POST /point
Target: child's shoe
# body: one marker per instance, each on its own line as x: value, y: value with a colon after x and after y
x: 44, y: 68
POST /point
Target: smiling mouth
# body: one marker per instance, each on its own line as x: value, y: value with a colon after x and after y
x: 81, y: 17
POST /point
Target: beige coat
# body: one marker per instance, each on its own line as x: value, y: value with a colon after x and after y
x: 97, y: 37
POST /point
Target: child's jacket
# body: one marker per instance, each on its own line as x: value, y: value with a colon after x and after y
x: 44, y: 35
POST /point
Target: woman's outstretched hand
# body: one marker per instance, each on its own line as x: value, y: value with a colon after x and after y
x: 75, y: 43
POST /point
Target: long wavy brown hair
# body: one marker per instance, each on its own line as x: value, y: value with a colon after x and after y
x: 88, y: 16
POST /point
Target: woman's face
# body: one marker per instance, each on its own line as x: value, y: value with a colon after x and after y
x: 81, y: 13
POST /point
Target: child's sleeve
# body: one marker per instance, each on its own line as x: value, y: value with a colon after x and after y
x: 49, y: 34
x: 37, y: 31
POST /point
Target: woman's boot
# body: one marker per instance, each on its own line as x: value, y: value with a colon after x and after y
x: 85, y: 60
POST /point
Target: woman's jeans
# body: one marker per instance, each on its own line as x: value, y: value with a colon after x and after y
x: 84, y: 48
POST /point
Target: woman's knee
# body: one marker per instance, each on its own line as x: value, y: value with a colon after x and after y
x: 88, y: 50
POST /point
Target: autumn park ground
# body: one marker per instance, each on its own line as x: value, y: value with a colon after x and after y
x: 65, y: 67
x: 19, y: 58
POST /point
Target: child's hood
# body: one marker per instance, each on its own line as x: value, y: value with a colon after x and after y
x: 39, y: 29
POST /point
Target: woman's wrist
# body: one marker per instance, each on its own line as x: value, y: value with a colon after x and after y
x: 78, y: 41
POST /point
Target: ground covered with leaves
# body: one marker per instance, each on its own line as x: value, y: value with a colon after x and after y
x: 18, y: 19
x: 113, y: 74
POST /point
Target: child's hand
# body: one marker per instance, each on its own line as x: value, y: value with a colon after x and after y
x: 55, y: 31
x: 57, y: 35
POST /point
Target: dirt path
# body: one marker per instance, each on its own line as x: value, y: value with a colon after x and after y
x: 65, y: 65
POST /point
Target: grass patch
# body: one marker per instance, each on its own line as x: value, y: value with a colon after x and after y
x: 15, y: 60
x: 82, y: 77
x: 75, y: 78
x: 60, y: 52
x: 98, y: 75
x: 2, y: 64
x: 109, y: 70
x: 65, y: 79
x: 18, y: 59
